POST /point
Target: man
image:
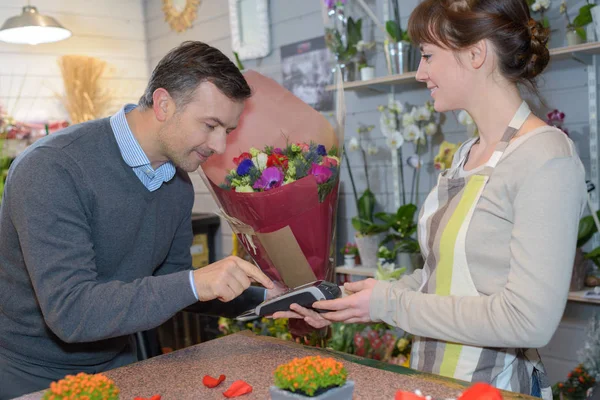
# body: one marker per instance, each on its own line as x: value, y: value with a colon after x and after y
x: 95, y: 227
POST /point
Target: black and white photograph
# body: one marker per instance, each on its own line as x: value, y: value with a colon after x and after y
x: 306, y: 68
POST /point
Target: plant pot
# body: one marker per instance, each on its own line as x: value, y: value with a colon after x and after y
x: 595, y: 11
x: 349, y: 260
x: 398, y: 57
x: 348, y: 70
x: 337, y: 393
x: 367, y: 73
x: 367, y: 248
x: 411, y: 261
x: 573, y: 38
x: 580, y: 267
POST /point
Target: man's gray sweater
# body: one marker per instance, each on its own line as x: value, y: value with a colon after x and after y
x: 87, y: 254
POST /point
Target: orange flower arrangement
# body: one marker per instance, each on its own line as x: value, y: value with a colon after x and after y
x: 84, y: 387
x: 309, y: 375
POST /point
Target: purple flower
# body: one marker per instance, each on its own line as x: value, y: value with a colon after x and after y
x: 277, y: 150
x: 244, y: 167
x: 332, y: 3
x: 321, y: 150
x: 321, y: 173
x: 271, y: 178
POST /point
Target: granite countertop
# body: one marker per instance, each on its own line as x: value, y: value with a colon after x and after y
x: 252, y: 358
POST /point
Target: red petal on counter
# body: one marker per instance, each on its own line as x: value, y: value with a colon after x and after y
x: 237, y: 388
x: 155, y: 397
x: 400, y: 395
x: 481, y: 391
x: 211, y: 382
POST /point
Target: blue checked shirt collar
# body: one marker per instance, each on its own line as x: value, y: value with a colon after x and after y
x: 134, y: 156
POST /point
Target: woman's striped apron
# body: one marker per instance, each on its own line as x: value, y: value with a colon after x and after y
x: 443, y: 226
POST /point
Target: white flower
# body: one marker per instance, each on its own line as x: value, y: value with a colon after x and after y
x: 464, y: 118
x: 421, y: 113
x: 396, y: 106
x: 407, y: 120
x: 412, y: 133
x: 431, y: 129
x: 353, y: 144
x: 395, y: 140
x: 260, y: 161
x: 362, y: 45
x: 387, y: 124
x: 372, y: 150
x: 535, y: 6
x: 545, y: 4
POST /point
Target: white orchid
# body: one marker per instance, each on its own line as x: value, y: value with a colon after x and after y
x: 535, y: 7
x: 353, y: 144
x: 387, y: 124
x: 412, y: 133
x: 407, y: 120
x: 372, y: 150
x: 431, y: 129
x: 545, y: 4
x: 464, y: 118
x: 395, y: 140
x: 396, y: 106
x: 362, y: 45
x: 421, y: 113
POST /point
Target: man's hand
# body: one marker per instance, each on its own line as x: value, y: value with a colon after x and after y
x: 227, y: 279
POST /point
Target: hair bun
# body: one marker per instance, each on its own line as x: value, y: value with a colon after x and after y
x: 539, y: 56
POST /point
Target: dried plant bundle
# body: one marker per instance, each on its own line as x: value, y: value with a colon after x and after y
x: 85, y: 97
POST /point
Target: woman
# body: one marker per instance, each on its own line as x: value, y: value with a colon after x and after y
x: 498, y: 232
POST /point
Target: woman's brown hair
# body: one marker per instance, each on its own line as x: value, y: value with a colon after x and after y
x: 518, y: 40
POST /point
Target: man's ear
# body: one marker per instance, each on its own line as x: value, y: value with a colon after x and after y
x: 162, y: 104
x: 478, y: 54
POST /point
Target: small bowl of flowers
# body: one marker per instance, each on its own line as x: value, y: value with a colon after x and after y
x: 312, y: 377
x: 82, y: 386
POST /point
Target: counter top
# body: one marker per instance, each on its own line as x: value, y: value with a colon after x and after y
x: 246, y: 356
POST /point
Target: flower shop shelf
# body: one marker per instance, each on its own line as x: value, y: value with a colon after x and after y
x: 559, y: 53
x: 579, y: 297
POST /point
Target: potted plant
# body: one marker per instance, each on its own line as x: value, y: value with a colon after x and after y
x: 366, y: 71
x: 342, y: 37
x: 577, y: 385
x: 312, y: 377
x: 402, y: 227
x: 397, y: 45
x: 368, y: 233
x: 576, y: 33
x: 350, y: 251
x: 587, y: 229
x: 82, y: 385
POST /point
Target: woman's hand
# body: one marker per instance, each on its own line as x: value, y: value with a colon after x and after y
x: 353, y: 308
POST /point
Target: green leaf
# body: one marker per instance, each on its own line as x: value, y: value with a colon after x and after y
x: 366, y: 206
x: 407, y: 212
x: 593, y: 254
x: 545, y: 22
x: 238, y: 62
x: 393, y: 29
x: 586, y: 230
x: 582, y: 34
x: 584, y: 17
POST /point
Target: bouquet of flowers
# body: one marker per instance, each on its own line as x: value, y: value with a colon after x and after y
x: 281, y: 200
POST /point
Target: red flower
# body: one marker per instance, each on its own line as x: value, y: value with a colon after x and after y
x: 277, y: 160
x: 242, y: 157
x: 329, y: 162
x: 155, y: 397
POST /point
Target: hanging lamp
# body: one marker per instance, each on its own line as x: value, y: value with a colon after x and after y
x: 31, y: 27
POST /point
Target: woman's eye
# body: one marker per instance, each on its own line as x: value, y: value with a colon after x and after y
x: 426, y: 56
x: 210, y: 127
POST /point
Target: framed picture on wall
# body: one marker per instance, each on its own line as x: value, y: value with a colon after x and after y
x: 307, y: 69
